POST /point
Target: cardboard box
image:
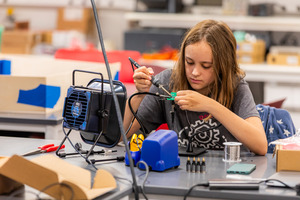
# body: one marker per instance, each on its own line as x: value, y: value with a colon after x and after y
x: 257, y: 48
x: 46, y: 37
x: 39, y: 84
x: 250, y: 59
x: 44, y: 171
x: 283, y: 59
x: 288, y: 158
x: 74, y: 19
x: 19, y: 41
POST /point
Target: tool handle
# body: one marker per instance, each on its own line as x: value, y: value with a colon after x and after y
x: 134, y: 63
x: 50, y: 149
x: 46, y: 146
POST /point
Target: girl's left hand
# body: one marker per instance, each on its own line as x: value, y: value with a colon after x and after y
x: 192, y: 101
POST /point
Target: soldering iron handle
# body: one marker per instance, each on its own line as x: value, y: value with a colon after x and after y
x: 134, y: 63
x: 154, y: 81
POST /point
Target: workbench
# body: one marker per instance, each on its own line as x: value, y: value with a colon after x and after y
x: 172, y: 183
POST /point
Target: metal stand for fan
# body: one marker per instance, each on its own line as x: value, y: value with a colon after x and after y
x: 89, y: 152
x: 102, y: 114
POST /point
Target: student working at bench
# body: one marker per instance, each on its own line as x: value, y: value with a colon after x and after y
x: 212, y: 99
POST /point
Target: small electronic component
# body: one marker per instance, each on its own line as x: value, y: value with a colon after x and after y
x: 188, y: 165
x: 193, y: 165
x: 198, y: 165
x: 173, y: 95
x: 203, y: 166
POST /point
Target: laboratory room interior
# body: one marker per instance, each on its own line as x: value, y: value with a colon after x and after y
x: 150, y: 99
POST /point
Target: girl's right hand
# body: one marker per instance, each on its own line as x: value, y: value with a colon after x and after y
x: 142, y: 78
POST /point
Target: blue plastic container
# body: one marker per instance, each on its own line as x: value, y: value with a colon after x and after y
x: 160, y: 150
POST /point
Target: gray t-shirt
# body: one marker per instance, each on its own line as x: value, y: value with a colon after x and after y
x: 209, y: 134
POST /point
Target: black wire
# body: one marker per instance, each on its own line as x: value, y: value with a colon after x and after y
x: 141, y: 124
x: 18, y: 192
x: 132, y: 66
x: 279, y: 181
x: 54, y: 184
x: 135, y: 113
x: 191, y: 188
x: 137, y: 143
x: 264, y: 181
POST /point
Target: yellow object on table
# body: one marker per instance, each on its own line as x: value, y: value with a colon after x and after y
x: 136, y: 142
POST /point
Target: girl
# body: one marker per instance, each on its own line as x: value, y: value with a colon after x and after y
x: 213, y: 104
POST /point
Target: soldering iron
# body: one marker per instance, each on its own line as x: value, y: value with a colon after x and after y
x: 154, y: 80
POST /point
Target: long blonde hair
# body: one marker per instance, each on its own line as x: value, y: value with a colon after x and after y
x: 227, y: 72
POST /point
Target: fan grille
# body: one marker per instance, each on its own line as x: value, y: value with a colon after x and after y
x: 76, y: 109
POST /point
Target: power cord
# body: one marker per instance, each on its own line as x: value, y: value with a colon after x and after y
x: 191, y: 188
x: 296, y: 188
x: 146, y: 177
x: 20, y: 191
x: 135, y: 113
x: 54, y: 184
x: 279, y: 181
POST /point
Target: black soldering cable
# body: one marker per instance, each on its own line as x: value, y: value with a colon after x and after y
x: 279, y: 181
x: 191, y: 188
x: 135, y: 113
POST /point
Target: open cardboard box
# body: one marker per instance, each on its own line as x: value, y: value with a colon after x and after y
x: 48, y: 170
x: 288, y: 157
x: 30, y: 72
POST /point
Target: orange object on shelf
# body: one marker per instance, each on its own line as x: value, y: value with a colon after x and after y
x: 166, y: 53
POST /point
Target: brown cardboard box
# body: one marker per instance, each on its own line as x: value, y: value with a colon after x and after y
x: 290, y: 59
x: 74, y: 19
x: 19, y: 41
x: 7, y: 185
x: 252, y: 48
x: 46, y: 37
x: 249, y: 58
x: 287, y: 159
x: 28, y: 72
x: 46, y: 170
x: 251, y: 52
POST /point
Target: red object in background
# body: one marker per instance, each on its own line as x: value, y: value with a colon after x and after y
x: 93, y: 55
x: 276, y: 104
